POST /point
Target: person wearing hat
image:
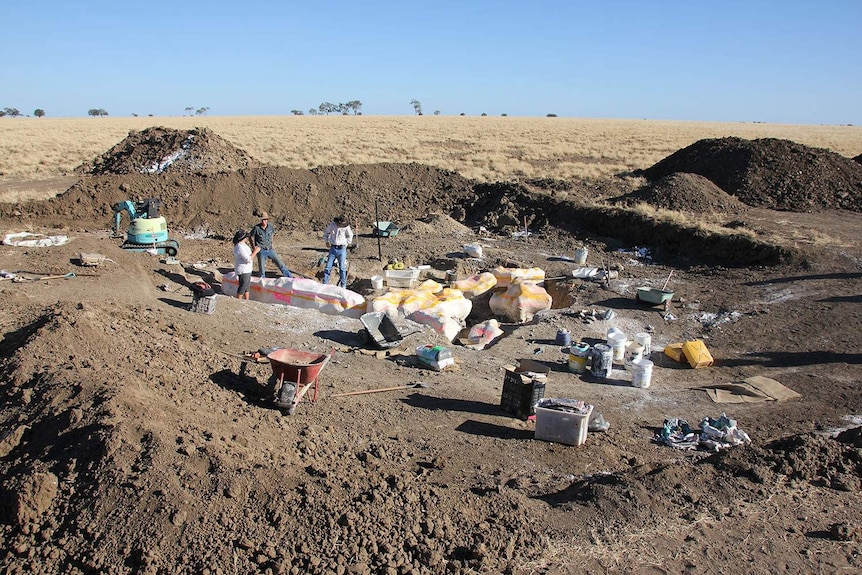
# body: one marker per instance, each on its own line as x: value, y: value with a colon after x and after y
x: 338, y: 237
x: 242, y: 262
x: 261, y: 237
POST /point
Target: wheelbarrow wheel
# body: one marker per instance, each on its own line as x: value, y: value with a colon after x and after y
x: 285, y: 397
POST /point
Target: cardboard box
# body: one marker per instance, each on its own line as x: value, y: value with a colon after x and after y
x: 563, y: 427
x: 523, y: 387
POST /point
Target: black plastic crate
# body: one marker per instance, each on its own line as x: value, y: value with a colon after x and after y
x: 521, y: 393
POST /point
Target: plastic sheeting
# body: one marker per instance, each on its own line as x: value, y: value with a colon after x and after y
x: 443, y: 309
x: 476, y: 285
x: 506, y: 276
x: 28, y: 240
x: 520, y: 301
x: 302, y: 293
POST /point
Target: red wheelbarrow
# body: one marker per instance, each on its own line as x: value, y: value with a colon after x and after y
x: 294, y: 372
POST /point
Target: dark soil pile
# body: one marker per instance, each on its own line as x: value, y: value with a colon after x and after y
x: 770, y: 173
x: 163, y: 150
x: 295, y: 198
x: 684, y: 192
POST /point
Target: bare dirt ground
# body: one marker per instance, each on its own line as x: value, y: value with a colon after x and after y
x: 135, y: 441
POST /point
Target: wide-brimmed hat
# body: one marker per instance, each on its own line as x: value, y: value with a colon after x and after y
x: 239, y: 236
x: 264, y: 216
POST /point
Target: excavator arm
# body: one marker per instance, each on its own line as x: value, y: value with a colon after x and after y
x: 119, y: 208
x: 148, y: 208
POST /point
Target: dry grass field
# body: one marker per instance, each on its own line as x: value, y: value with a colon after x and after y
x: 482, y: 148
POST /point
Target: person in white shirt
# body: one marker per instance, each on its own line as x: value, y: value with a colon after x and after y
x: 243, y: 255
x: 338, y: 236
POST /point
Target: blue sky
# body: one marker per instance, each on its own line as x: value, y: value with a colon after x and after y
x: 784, y: 61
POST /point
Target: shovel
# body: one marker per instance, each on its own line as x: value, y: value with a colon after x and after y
x: 418, y: 384
x: 60, y: 277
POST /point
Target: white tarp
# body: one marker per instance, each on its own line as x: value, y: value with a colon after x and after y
x: 300, y: 292
x: 28, y: 240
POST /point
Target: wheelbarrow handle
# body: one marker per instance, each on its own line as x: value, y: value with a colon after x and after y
x: 366, y: 391
x: 379, y: 390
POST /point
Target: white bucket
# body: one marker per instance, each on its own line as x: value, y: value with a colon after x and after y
x: 617, y: 341
x: 641, y: 373
x: 581, y: 256
x: 377, y: 282
x: 634, y: 351
x: 612, y: 331
x: 645, y: 340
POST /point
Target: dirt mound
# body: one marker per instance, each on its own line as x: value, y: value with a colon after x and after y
x: 133, y: 465
x: 439, y: 224
x: 684, y: 192
x: 836, y: 463
x: 647, y: 494
x: 160, y: 150
x: 295, y: 198
x: 770, y: 173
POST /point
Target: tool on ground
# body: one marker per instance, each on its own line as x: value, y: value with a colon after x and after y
x: 252, y: 356
x: 415, y: 385
x: 57, y: 277
x: 147, y: 229
x: 355, y: 245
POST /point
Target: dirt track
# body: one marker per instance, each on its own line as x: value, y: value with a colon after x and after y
x: 134, y: 443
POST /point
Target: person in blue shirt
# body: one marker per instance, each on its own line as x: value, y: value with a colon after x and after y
x: 261, y: 237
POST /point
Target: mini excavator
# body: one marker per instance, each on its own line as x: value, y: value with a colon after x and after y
x: 147, y: 229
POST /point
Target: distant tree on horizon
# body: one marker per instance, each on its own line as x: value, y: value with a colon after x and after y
x: 100, y: 112
x: 12, y: 112
x: 354, y: 106
x: 417, y: 106
x: 313, y: 111
x: 551, y: 116
x: 38, y: 112
x: 202, y: 111
x: 296, y: 112
x: 327, y: 108
x: 190, y: 109
x: 436, y: 112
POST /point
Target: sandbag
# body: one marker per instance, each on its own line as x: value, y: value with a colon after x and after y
x: 300, y: 292
x: 505, y: 276
x: 482, y: 334
x: 520, y: 301
x: 443, y: 309
x: 476, y: 285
